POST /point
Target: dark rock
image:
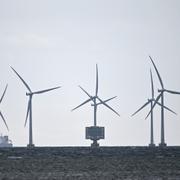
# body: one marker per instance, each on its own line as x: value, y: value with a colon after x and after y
x: 127, y: 163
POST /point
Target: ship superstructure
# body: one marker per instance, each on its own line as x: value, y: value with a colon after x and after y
x: 5, y: 141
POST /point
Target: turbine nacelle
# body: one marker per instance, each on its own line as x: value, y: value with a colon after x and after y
x: 29, y: 94
x: 94, y: 98
x: 161, y: 90
x: 101, y: 102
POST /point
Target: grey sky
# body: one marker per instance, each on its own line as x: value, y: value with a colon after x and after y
x: 54, y: 43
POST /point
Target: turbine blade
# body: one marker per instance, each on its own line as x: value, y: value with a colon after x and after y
x: 22, y: 79
x: 82, y: 104
x: 107, y: 100
x: 86, y: 92
x: 157, y: 99
x: 141, y: 108
x: 166, y: 108
x: 46, y: 90
x: 97, y: 80
x: 108, y: 106
x: 4, y: 120
x: 172, y: 92
x: 3, y: 94
x: 27, y: 114
x: 152, y: 85
x: 161, y: 82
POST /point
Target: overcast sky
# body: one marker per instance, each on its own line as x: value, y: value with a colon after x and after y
x: 52, y: 43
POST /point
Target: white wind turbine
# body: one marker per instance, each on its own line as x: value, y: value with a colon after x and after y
x: 151, y: 102
x: 161, y: 96
x: 29, y: 108
x: 94, y: 100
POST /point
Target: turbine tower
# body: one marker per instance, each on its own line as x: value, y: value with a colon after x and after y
x: 0, y: 111
x: 161, y: 96
x: 29, y: 107
x: 96, y: 102
x: 151, y: 101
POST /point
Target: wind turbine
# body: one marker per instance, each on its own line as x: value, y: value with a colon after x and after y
x: 161, y: 96
x: 0, y: 111
x: 29, y: 108
x: 151, y: 101
x: 95, y: 104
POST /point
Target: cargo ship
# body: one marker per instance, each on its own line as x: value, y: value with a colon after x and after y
x: 5, y: 141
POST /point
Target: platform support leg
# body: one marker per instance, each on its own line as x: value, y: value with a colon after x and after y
x: 95, y: 144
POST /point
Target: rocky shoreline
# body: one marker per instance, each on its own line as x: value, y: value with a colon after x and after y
x: 127, y: 163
